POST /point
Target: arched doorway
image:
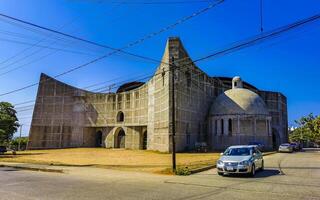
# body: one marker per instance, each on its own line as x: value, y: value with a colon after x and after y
x: 98, y: 138
x: 144, y: 140
x: 275, y: 139
x: 119, y: 138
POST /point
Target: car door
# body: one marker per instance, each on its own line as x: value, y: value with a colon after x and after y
x: 256, y: 157
x: 259, y: 157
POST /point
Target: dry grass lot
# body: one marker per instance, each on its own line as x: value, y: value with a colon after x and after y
x: 136, y: 160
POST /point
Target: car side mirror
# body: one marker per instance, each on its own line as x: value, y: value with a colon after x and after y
x: 221, y: 154
x: 254, y: 154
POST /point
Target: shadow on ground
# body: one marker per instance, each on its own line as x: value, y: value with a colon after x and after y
x: 259, y: 174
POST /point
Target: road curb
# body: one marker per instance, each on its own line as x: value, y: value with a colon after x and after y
x: 202, y: 169
x: 269, y: 153
x: 33, y: 168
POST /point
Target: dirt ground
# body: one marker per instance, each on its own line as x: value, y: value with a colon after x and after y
x: 136, y: 160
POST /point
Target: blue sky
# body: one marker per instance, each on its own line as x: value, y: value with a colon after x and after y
x: 289, y: 63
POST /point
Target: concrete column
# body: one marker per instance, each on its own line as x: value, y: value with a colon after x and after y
x: 219, y: 127
x: 213, y: 126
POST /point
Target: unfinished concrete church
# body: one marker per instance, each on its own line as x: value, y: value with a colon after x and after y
x: 217, y: 111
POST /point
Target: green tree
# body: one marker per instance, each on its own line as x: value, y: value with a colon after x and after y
x: 23, y: 143
x: 8, y: 122
x: 308, y: 129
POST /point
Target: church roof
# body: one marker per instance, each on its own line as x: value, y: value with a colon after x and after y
x: 239, y: 101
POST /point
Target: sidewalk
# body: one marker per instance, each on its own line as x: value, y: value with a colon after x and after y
x: 33, y: 167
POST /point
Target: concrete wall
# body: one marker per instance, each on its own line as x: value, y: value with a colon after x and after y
x: 65, y: 116
x: 277, y: 106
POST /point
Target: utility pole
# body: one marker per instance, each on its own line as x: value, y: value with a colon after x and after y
x: 19, y: 143
x: 173, y: 115
x: 261, y: 16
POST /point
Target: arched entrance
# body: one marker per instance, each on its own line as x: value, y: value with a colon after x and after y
x: 144, y: 140
x: 98, y: 138
x: 275, y: 139
x: 119, y: 138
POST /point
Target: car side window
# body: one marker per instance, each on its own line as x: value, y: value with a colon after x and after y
x: 259, y: 152
x: 256, y: 150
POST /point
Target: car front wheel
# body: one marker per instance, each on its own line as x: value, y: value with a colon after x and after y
x: 253, y: 171
x: 220, y: 173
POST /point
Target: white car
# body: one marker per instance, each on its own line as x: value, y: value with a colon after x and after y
x: 286, y: 147
x: 244, y: 159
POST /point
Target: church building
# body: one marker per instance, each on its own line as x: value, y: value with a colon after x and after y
x: 217, y: 111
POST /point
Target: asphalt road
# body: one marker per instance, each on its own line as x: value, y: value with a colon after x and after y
x: 287, y: 176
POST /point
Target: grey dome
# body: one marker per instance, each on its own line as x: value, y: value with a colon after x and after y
x: 239, y: 101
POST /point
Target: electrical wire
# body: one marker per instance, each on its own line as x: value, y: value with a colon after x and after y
x: 136, y: 42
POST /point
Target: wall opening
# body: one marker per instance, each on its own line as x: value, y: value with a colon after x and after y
x: 120, y: 117
x: 275, y: 139
x: 144, y: 140
x: 98, y: 139
x: 222, y: 127
x: 215, y: 127
x: 119, y: 138
x: 230, y: 126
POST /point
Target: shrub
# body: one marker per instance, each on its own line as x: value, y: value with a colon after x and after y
x: 183, y: 171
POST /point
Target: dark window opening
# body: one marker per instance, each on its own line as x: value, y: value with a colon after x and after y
x: 120, y: 139
x: 120, y: 117
x: 230, y: 126
x: 163, y: 74
x: 215, y: 127
x: 98, y: 139
x: 145, y: 141
x: 222, y: 127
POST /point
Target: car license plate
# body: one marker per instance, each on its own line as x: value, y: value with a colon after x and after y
x: 229, y: 168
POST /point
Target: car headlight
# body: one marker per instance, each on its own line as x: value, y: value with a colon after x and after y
x: 245, y: 162
x: 219, y: 162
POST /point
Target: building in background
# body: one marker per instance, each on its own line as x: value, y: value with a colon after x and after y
x: 218, y: 111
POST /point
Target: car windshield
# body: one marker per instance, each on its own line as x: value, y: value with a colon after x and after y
x: 244, y: 151
x: 285, y: 145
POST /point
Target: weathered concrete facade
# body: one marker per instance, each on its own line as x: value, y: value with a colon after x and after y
x: 139, y: 115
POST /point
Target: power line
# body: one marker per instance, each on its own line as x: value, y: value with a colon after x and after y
x: 65, y: 34
x: 43, y: 46
x: 106, y: 46
x: 58, y: 39
x: 158, y: 2
x: 136, y: 42
x: 260, y: 37
x: 244, y: 44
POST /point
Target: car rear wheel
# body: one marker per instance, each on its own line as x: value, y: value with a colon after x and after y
x: 253, y: 171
